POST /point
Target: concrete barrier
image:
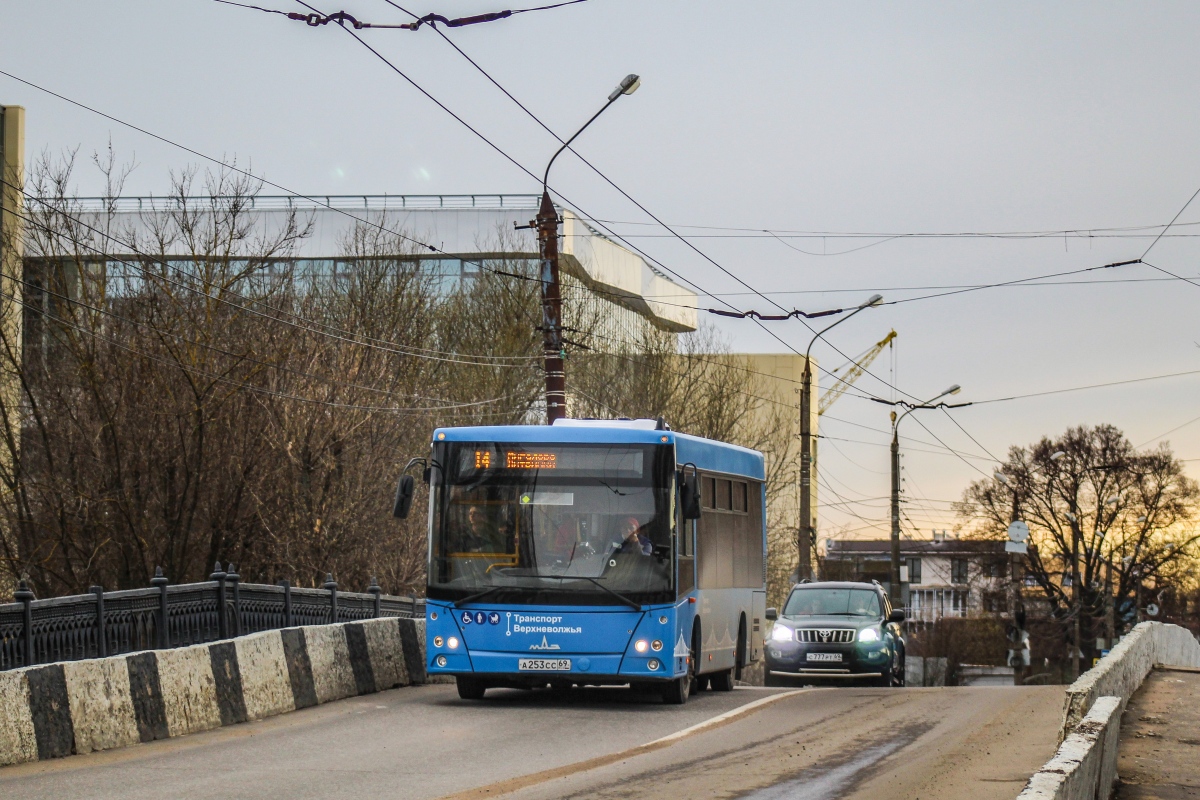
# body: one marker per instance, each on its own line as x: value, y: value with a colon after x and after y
x: 1085, y: 766
x: 54, y: 710
x: 1121, y: 672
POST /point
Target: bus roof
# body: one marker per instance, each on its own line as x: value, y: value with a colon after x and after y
x: 706, y: 454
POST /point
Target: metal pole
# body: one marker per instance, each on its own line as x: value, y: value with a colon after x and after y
x: 552, y: 343
x: 287, y: 602
x: 895, y: 580
x: 1075, y: 601
x: 222, y: 624
x: 25, y: 597
x: 331, y: 587
x: 805, y: 530
x: 235, y: 579
x: 375, y: 591
x: 164, y: 635
x: 101, y: 635
x: 1109, y: 612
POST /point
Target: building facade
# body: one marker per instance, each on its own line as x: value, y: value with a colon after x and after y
x: 940, y: 577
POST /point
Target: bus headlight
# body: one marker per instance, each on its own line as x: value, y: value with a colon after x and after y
x: 441, y: 661
x: 781, y: 633
x: 641, y: 645
x: 437, y: 641
x: 656, y: 645
x: 868, y: 635
x: 652, y: 664
x: 452, y: 643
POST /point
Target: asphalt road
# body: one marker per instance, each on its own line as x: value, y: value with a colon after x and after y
x: 423, y: 742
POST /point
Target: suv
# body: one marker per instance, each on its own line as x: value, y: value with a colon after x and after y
x: 836, y: 629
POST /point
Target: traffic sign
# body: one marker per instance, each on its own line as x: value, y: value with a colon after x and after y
x: 1016, y: 547
x: 1152, y: 610
x: 1018, y: 531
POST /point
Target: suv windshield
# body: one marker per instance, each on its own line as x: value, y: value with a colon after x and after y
x: 832, y: 602
x: 543, y: 521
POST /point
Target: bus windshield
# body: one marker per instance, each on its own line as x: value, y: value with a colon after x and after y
x: 525, y: 523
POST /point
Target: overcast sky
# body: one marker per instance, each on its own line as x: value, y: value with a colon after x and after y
x: 788, y: 117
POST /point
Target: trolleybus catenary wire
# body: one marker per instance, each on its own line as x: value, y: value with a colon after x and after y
x: 654, y: 217
x: 312, y: 199
x: 628, y: 244
x: 328, y: 206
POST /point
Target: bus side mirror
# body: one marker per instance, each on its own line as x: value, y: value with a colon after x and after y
x: 404, y: 497
x: 690, y: 497
x: 772, y: 614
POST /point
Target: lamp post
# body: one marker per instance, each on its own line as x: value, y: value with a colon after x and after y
x: 894, y: 589
x: 547, y: 228
x: 808, y: 525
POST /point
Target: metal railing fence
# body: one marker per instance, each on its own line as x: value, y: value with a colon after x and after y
x: 104, y: 623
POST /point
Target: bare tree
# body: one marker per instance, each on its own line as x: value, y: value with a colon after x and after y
x: 1118, y: 512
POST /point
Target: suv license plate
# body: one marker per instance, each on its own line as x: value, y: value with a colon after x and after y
x: 544, y: 664
x: 824, y: 656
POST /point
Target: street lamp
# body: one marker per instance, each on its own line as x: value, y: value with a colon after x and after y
x: 931, y: 403
x: 808, y: 523
x: 547, y: 227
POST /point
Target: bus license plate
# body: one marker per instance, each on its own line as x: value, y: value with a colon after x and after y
x: 544, y: 664
x: 824, y: 656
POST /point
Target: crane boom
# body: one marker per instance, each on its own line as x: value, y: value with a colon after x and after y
x: 857, y: 367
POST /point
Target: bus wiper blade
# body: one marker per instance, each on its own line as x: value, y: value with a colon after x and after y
x: 621, y: 597
x: 478, y: 595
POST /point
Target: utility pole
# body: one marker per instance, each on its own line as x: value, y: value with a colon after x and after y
x: 1075, y: 601
x: 12, y: 249
x: 807, y: 522
x: 807, y: 529
x: 547, y: 228
x: 552, y: 343
x: 894, y: 581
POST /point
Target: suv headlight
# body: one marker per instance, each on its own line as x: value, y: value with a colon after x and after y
x: 868, y: 635
x: 781, y: 633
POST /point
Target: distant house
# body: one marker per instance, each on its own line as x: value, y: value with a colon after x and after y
x: 942, y: 577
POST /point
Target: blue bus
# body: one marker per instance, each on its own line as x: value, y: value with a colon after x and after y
x: 592, y: 553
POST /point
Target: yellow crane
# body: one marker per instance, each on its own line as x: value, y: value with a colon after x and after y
x: 856, y: 369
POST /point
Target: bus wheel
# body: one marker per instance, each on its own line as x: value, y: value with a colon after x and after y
x: 722, y: 681
x: 469, y: 687
x: 676, y: 692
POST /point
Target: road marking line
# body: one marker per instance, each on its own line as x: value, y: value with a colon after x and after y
x: 721, y: 719
x: 525, y: 781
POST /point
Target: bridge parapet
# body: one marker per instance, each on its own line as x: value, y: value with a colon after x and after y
x: 103, y: 623
x: 56, y: 710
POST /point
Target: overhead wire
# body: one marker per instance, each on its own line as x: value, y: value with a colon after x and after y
x: 603, y: 176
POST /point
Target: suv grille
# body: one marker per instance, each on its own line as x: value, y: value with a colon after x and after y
x: 825, y: 635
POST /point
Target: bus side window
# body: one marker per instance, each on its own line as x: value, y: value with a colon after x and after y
x: 708, y: 492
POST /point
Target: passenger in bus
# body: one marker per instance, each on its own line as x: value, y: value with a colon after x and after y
x: 633, y: 540
x: 556, y: 537
x: 480, y: 536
